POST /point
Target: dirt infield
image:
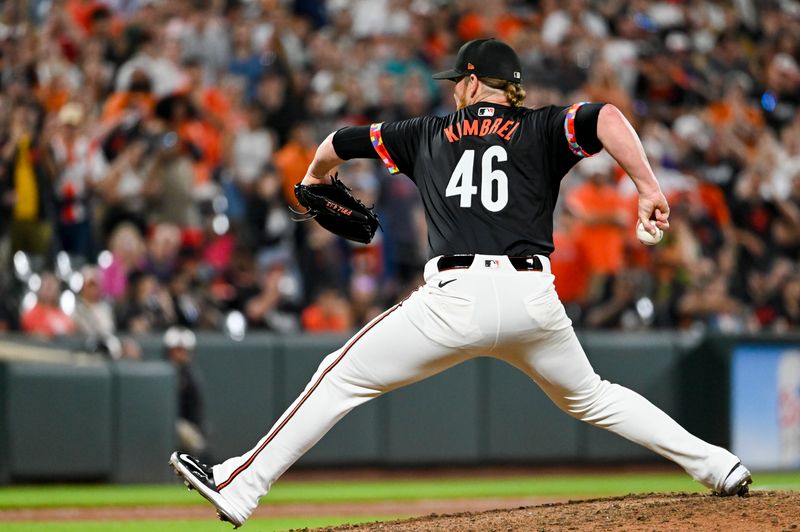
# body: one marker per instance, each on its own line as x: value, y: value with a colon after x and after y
x: 205, y: 511
x: 761, y: 511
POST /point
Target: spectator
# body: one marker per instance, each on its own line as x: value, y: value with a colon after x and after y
x: 252, y: 148
x: 575, y: 19
x: 330, y: 312
x: 174, y: 201
x: 656, y: 87
x: 26, y: 192
x: 190, y: 306
x: 45, y: 318
x: 205, y: 96
x: 602, y: 220
x: 136, y: 99
x: 281, y: 111
x: 247, y: 63
x: 323, y: 261
x: 708, y: 302
x: 293, y: 158
x: 670, y: 283
x: 617, y: 305
x: 493, y: 19
x: 763, y: 291
x: 126, y: 255
x: 604, y: 86
x: 150, y: 59
x: 179, y: 345
x: 274, y: 306
x: 104, y: 32
x: 250, y: 153
x: 163, y: 248
x: 569, y: 265
x: 240, y: 283
x: 268, y: 215
x: 78, y: 166
x: 735, y: 115
x: 780, y: 101
x: 755, y: 214
x: 130, y: 183
x: 148, y: 306
x: 93, y: 316
x: 195, y: 137
x: 403, y: 227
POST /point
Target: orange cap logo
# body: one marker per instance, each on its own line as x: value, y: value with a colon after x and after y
x: 470, y: 66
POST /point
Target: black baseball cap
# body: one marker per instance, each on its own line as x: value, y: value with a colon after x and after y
x: 486, y: 58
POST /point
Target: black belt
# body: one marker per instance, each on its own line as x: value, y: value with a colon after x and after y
x: 524, y: 264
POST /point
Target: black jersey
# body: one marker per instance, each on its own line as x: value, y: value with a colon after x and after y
x: 489, y: 175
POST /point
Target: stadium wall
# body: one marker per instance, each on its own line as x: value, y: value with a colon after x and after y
x: 71, y: 416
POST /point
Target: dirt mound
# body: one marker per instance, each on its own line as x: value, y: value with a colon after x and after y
x: 760, y: 511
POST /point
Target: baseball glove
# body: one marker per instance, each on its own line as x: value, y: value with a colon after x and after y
x: 337, y: 210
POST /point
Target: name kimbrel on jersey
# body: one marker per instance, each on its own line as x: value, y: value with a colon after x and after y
x: 504, y: 128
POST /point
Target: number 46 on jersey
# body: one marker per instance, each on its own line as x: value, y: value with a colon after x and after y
x: 461, y: 180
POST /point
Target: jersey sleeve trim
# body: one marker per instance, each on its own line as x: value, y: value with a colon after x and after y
x: 569, y: 130
x: 377, y: 142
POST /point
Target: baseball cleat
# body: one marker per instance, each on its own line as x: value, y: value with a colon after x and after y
x: 197, y: 475
x: 737, y: 482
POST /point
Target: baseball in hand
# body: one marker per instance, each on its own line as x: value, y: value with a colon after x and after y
x: 646, y: 238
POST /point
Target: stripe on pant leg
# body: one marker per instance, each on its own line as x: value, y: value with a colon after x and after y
x: 305, y: 397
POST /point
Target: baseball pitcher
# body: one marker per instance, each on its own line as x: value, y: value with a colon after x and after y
x: 489, y: 177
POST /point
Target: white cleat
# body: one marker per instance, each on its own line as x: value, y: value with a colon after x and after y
x: 197, y: 475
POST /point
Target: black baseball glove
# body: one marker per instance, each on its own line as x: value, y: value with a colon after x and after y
x: 337, y: 210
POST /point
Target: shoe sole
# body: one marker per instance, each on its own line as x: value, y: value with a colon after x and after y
x: 210, y: 495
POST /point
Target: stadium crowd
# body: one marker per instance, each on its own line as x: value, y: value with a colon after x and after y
x: 148, y: 150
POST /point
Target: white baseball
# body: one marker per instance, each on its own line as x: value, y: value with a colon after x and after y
x: 646, y: 238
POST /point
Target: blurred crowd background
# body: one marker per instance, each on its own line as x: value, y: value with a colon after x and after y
x: 148, y: 150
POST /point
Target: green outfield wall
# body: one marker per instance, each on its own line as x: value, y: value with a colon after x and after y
x: 66, y: 415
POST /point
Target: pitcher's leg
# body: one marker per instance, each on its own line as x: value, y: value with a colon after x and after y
x: 387, y: 353
x: 560, y: 367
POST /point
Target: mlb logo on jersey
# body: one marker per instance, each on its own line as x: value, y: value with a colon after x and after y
x: 491, y: 263
x: 486, y: 111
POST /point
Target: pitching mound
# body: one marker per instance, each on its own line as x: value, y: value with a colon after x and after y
x: 760, y: 511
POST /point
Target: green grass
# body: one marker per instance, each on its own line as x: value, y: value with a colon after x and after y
x: 377, y: 490
x: 322, y: 492
x: 254, y: 525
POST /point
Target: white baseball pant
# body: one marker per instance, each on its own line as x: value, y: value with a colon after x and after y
x: 489, y: 309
